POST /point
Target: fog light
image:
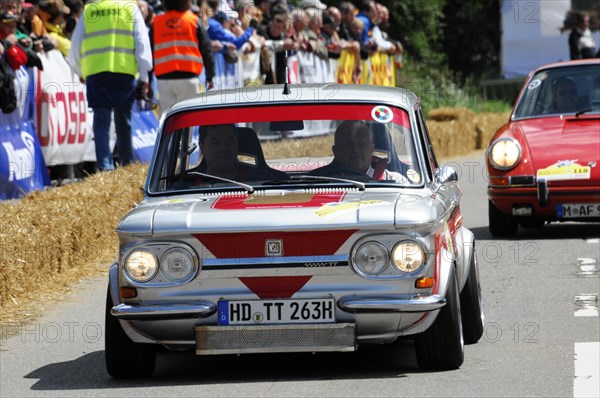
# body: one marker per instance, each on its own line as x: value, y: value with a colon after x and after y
x: 522, y: 210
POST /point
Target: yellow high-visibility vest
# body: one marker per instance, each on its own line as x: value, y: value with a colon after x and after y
x: 108, y: 43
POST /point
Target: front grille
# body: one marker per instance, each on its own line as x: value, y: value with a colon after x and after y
x: 521, y: 180
x: 213, y: 340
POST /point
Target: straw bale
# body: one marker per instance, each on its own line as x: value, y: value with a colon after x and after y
x: 51, y: 238
x: 487, y: 124
x: 452, y: 131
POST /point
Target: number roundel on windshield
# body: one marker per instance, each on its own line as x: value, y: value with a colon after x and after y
x: 382, y: 114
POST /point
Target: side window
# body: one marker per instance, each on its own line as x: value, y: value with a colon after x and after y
x: 432, y: 163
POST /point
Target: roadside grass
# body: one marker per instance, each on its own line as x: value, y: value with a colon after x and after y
x: 437, y: 89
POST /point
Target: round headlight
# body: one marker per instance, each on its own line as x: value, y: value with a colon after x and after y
x: 177, y: 264
x: 371, y: 258
x: 141, y: 265
x: 505, y: 153
x: 408, y: 256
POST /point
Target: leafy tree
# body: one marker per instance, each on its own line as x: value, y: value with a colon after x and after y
x: 418, y: 24
x: 471, y: 38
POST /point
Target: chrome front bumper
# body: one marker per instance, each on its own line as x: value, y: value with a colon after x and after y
x: 351, y: 304
x: 164, y: 311
x: 395, y: 303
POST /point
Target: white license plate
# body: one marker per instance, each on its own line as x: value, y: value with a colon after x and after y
x: 254, y: 312
x: 578, y: 210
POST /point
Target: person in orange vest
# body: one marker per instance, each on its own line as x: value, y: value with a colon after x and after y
x: 181, y: 50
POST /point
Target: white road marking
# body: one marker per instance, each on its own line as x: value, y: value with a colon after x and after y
x: 593, y: 240
x: 588, y: 267
x: 587, y: 305
x: 587, y: 370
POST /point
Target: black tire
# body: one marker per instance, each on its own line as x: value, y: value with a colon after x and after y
x: 441, y: 347
x: 470, y: 305
x: 124, y: 358
x: 501, y: 225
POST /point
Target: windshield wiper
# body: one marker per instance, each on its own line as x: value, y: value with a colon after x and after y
x: 247, y: 187
x: 306, y: 178
x: 581, y: 112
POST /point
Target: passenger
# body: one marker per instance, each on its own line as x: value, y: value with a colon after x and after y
x: 353, y: 153
x: 220, y: 149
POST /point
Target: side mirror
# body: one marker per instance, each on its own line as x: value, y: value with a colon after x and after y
x: 446, y: 174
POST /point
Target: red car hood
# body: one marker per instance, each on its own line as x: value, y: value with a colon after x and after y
x: 554, y: 141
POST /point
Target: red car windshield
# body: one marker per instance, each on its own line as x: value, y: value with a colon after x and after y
x: 275, y: 146
x: 563, y: 90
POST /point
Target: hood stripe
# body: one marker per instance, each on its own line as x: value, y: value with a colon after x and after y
x: 272, y: 287
x: 253, y: 244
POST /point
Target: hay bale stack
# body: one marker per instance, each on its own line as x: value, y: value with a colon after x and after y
x: 458, y: 131
x: 486, y: 124
x: 54, y: 237
x: 452, y: 131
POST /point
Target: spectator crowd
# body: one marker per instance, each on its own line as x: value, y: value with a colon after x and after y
x: 181, y: 48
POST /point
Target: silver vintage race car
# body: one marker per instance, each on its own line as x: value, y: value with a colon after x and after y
x: 294, y: 219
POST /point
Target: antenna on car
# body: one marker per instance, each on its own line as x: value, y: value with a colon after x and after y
x: 286, y: 87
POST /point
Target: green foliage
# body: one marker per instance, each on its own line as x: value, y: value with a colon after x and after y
x: 418, y: 24
x: 472, y: 38
x: 437, y: 88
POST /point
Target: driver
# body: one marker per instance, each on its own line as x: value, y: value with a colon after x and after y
x: 564, y: 95
x: 220, y: 149
x: 353, y: 151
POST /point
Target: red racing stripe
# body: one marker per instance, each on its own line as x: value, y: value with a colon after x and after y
x: 271, y: 287
x: 253, y: 244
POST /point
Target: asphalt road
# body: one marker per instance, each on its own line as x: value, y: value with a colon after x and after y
x: 538, y: 341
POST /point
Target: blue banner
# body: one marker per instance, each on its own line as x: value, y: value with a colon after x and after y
x: 22, y: 166
x: 144, y: 126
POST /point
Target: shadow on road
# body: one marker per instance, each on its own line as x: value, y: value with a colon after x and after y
x: 183, y: 368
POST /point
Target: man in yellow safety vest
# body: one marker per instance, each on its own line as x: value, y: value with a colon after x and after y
x: 110, y: 48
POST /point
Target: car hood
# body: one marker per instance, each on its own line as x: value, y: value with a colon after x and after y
x: 569, y: 139
x: 277, y: 210
x: 552, y: 138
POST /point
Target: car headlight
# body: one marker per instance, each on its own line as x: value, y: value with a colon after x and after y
x: 178, y: 264
x: 408, y: 256
x: 504, y: 154
x: 371, y: 258
x: 141, y: 265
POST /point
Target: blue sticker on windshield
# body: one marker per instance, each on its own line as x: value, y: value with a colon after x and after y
x: 382, y: 114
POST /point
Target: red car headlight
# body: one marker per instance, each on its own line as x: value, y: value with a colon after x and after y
x: 504, y: 153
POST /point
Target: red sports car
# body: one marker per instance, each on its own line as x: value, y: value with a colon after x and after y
x: 544, y: 164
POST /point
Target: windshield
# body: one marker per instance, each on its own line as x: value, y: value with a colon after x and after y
x: 287, y: 145
x: 564, y: 90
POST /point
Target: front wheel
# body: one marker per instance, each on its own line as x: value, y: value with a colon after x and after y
x: 501, y: 225
x: 470, y: 305
x: 124, y: 358
x: 441, y: 347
